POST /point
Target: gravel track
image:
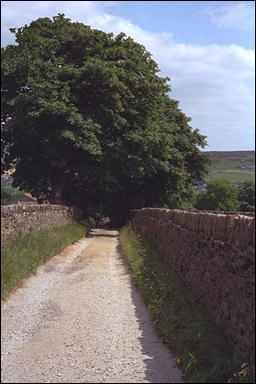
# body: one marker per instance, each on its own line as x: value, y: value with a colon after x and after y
x: 80, y: 320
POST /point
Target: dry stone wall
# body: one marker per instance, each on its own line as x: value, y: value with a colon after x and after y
x: 214, y: 255
x: 23, y: 218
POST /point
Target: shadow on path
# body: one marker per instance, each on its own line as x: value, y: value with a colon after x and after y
x: 160, y: 364
x: 95, y: 232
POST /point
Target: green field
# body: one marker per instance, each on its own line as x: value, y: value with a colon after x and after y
x: 233, y: 166
x: 232, y: 159
x: 232, y: 176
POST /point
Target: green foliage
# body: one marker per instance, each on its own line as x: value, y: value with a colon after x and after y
x: 202, y: 351
x: 247, y: 197
x: 88, y: 121
x: 20, y: 258
x: 221, y: 195
x: 8, y: 193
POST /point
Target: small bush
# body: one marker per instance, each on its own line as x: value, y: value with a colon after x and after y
x: 8, y: 193
x: 221, y: 195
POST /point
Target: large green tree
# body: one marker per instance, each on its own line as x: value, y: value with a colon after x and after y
x: 88, y: 121
x: 221, y: 195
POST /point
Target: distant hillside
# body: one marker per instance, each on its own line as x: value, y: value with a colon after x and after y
x: 234, y: 166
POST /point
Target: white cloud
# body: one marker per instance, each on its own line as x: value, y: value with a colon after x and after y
x: 214, y: 83
x: 18, y: 13
x: 239, y: 16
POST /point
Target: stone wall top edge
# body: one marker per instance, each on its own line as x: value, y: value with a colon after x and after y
x: 7, y: 210
x: 210, y: 213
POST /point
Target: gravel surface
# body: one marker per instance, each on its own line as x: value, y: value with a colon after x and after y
x: 80, y: 320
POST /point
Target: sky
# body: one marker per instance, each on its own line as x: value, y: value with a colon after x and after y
x: 207, y: 48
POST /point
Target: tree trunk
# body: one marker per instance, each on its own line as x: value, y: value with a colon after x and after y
x: 118, y: 221
x: 57, y: 189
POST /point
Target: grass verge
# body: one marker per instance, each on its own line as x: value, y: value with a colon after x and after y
x: 20, y: 258
x: 203, y: 353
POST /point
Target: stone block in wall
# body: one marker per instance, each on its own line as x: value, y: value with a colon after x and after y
x: 192, y: 221
x: 179, y: 218
x: 219, y: 227
x: 205, y: 225
x: 241, y: 234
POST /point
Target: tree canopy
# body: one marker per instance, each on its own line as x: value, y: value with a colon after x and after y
x: 247, y: 197
x: 87, y: 120
x: 221, y: 195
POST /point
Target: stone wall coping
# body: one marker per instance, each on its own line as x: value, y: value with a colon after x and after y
x: 7, y: 210
x: 237, y: 228
x: 220, y: 213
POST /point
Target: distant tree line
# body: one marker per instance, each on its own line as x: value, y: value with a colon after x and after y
x: 222, y: 195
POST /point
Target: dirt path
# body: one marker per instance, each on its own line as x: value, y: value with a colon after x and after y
x: 80, y: 320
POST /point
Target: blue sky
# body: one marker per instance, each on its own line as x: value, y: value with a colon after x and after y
x: 168, y: 16
x: 205, y: 47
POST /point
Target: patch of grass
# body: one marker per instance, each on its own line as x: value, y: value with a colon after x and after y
x: 20, y: 258
x: 231, y: 175
x: 202, y: 351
